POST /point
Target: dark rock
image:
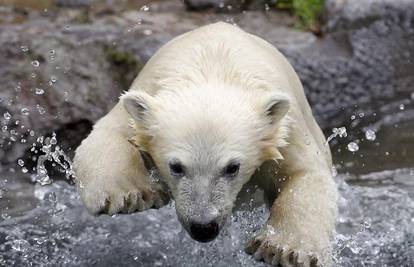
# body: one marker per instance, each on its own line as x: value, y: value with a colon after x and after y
x: 226, y: 5
x: 346, y: 14
x: 73, y: 3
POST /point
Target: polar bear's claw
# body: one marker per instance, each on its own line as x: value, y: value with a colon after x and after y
x: 269, y: 250
x: 114, y: 200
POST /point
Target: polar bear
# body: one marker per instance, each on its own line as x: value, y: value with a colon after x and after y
x: 210, y: 109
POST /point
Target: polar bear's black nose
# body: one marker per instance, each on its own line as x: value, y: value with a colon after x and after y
x: 204, y: 232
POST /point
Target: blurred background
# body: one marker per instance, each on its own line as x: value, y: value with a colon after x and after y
x: 64, y: 63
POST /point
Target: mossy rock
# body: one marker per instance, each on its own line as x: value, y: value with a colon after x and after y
x: 308, y: 12
x: 125, y: 65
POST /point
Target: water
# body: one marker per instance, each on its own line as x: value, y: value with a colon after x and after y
x: 353, y: 147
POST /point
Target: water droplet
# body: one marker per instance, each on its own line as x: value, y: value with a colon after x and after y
x: 366, y: 225
x: 7, y: 116
x: 370, y: 135
x: 53, y: 79
x: 24, y: 48
x: 334, y: 171
x: 4, y: 128
x: 39, y: 91
x: 147, y: 32
x: 20, y: 245
x: 20, y: 162
x: 25, y: 111
x: 52, y: 51
x: 51, y: 197
x: 45, y: 180
x: 353, y: 246
x: 24, y: 170
x: 353, y: 147
x: 53, y: 140
x: 32, y: 133
x: 402, y: 107
x: 40, y: 139
x: 144, y: 8
x: 341, y: 132
x: 5, y: 216
x: 35, y: 63
x: 40, y: 109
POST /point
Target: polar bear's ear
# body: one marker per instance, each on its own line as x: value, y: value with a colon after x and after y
x: 276, y: 107
x: 137, y: 104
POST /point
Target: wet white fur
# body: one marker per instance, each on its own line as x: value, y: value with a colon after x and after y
x: 205, y: 98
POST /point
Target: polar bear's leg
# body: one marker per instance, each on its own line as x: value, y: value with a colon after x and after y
x: 302, y: 219
x: 110, y: 172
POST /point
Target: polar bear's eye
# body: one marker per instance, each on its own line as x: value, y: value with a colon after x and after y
x: 232, y: 169
x: 176, y: 168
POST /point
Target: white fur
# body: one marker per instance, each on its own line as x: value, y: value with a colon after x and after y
x: 207, y: 97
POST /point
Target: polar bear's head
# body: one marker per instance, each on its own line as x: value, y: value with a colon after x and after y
x: 206, y: 143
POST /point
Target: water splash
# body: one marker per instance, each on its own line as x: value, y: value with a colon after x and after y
x: 54, y: 154
x: 35, y: 63
x: 353, y: 147
x: 341, y: 132
x: 39, y: 91
x: 370, y: 135
x: 7, y: 116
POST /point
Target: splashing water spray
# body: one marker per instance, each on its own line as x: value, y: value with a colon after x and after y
x: 336, y: 132
x: 341, y: 132
x: 54, y: 154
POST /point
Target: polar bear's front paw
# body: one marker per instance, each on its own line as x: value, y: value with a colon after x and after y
x: 271, y: 249
x: 116, y: 199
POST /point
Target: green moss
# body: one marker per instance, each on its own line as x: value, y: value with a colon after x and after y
x: 308, y: 12
x: 124, y: 64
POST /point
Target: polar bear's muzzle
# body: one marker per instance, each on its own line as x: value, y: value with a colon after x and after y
x: 203, y: 204
x: 202, y: 227
x: 202, y: 230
